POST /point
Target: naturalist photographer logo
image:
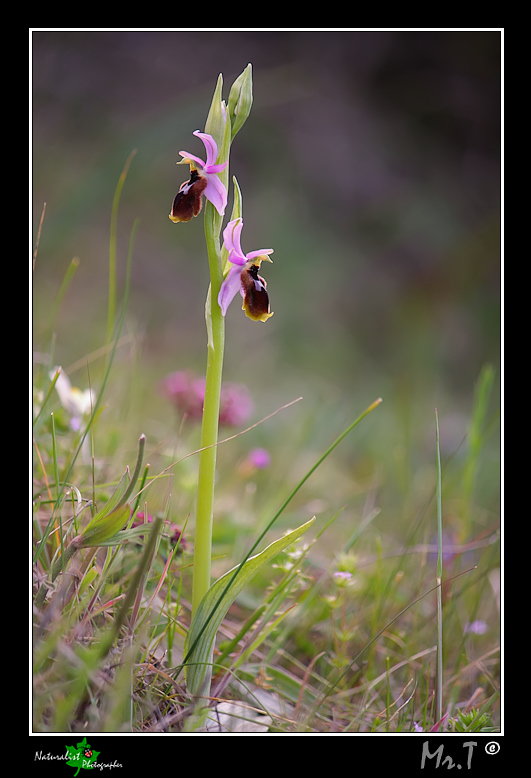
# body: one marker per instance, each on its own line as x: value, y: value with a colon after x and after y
x: 81, y: 757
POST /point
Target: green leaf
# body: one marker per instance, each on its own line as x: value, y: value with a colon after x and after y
x: 215, y: 604
x: 237, y: 206
x: 104, y: 526
x: 216, y: 121
x: 126, y: 535
x: 114, y: 514
x: 208, y: 317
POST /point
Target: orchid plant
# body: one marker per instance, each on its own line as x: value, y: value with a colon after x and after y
x: 230, y: 271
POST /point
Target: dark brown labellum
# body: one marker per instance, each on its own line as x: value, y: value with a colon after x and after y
x: 188, y: 200
x: 256, y: 298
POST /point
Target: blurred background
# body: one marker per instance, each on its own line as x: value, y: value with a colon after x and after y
x: 370, y: 163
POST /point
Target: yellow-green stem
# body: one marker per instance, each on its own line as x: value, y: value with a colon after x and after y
x: 209, y: 429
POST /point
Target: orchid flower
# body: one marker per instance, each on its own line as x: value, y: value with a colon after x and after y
x: 204, y: 180
x: 244, y: 276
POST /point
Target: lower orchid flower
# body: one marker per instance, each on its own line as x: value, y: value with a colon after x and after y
x: 243, y: 277
x: 204, y: 180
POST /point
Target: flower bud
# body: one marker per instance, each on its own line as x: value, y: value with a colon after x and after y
x: 241, y: 99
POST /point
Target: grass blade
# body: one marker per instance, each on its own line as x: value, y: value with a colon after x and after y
x: 215, y: 604
x: 439, y: 577
x: 111, y: 313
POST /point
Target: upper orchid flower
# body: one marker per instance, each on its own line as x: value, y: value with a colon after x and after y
x: 204, y: 180
x: 244, y: 276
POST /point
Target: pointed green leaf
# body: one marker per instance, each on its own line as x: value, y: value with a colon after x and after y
x: 202, y: 633
x: 115, y: 500
x: 208, y: 318
x: 103, y: 527
x: 237, y: 206
x: 216, y: 120
x: 114, y: 514
x: 127, y: 535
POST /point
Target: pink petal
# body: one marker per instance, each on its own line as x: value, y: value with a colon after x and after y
x: 231, y: 239
x: 259, y: 253
x: 186, y: 155
x: 210, y: 145
x: 215, y: 192
x: 227, y: 234
x: 215, y: 168
x: 229, y: 288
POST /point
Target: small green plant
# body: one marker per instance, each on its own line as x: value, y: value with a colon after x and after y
x: 472, y: 721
